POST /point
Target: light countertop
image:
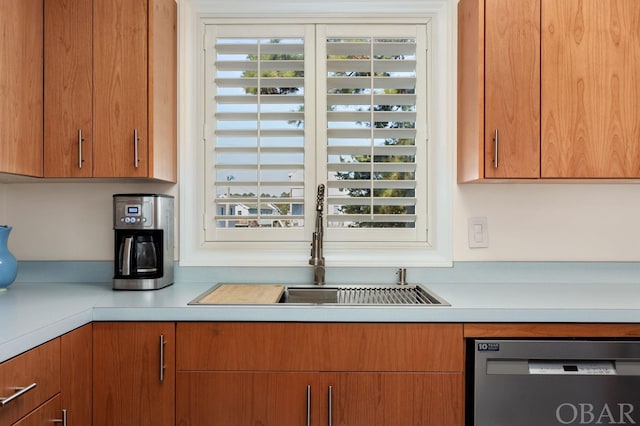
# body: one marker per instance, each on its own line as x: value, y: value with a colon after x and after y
x: 33, y: 313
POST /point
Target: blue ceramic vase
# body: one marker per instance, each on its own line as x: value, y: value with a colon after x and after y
x: 8, y: 263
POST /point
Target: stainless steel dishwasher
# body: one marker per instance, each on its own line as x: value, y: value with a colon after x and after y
x: 555, y: 382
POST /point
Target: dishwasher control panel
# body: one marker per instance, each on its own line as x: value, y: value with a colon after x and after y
x: 575, y: 367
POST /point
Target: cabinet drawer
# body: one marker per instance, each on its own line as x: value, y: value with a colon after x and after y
x: 227, y: 398
x: 47, y: 414
x: 319, y: 347
x: 41, y: 366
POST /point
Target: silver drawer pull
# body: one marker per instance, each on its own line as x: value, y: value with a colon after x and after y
x: 136, y: 158
x: 63, y: 420
x: 162, y: 366
x: 495, y: 149
x: 80, y: 140
x: 18, y: 394
x: 308, y: 405
x: 330, y: 413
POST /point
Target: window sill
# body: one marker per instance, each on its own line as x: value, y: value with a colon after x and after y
x: 298, y: 256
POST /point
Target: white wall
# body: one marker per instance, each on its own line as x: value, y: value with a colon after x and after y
x: 65, y: 221
x: 550, y: 222
x: 527, y: 222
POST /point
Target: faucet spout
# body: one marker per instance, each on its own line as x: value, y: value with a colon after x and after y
x: 318, y: 275
x: 317, y: 256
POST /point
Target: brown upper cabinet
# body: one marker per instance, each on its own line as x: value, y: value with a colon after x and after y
x: 498, y: 89
x: 68, y: 86
x: 548, y: 89
x: 591, y: 89
x: 21, y: 87
x: 110, y: 89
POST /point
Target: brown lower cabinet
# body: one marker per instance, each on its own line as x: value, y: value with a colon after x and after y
x: 76, y: 371
x: 48, y: 380
x: 299, y: 398
x: 29, y: 380
x: 244, y: 398
x: 432, y: 399
x: 267, y: 374
x: 133, y: 373
x: 321, y: 374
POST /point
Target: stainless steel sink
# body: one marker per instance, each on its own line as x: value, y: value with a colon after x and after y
x: 362, y: 295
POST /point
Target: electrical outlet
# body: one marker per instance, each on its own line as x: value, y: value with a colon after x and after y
x: 478, y: 232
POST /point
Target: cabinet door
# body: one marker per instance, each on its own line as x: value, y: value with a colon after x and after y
x: 382, y: 399
x: 76, y: 370
x: 131, y: 387
x: 246, y: 398
x: 68, y: 85
x: 512, y: 89
x: 163, y: 92
x: 21, y: 87
x: 498, y: 89
x: 120, y: 88
x: 590, y: 89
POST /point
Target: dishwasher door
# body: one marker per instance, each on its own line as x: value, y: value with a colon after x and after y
x: 555, y: 382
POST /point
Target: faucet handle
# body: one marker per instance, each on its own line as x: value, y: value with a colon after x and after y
x: 402, y: 276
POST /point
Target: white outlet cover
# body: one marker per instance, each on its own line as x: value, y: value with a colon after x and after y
x: 478, y: 232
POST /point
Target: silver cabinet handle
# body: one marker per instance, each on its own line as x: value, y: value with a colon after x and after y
x: 80, y: 140
x: 495, y: 149
x: 330, y: 422
x: 136, y: 158
x: 63, y: 420
x: 308, y: 405
x: 162, y: 366
x: 18, y: 394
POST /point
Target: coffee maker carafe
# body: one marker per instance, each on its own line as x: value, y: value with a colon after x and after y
x: 138, y: 255
x: 143, y: 227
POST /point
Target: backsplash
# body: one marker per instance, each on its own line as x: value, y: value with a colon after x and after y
x: 461, y: 272
x: 526, y: 222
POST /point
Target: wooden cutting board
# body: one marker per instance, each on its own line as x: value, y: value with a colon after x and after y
x: 244, y: 294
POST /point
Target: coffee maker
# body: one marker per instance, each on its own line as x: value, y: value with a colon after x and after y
x: 143, y: 249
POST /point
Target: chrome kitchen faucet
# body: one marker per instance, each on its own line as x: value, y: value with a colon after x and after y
x: 317, y: 258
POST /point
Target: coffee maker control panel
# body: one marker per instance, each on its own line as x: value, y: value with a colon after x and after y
x: 129, y: 213
x: 133, y: 214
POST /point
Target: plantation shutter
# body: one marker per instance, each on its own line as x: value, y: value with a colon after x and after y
x: 255, y: 119
x: 288, y: 107
x: 375, y: 127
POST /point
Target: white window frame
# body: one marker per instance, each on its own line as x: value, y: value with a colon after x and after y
x: 440, y: 16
